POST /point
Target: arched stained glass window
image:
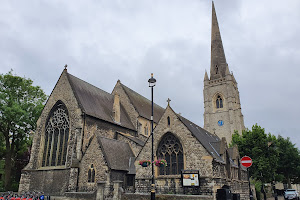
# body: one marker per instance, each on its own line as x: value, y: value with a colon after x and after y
x: 219, y: 102
x: 56, y: 136
x: 171, y: 150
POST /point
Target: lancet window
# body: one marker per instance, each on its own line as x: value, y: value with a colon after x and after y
x: 219, y: 102
x: 56, y: 136
x: 91, y: 174
x: 171, y: 150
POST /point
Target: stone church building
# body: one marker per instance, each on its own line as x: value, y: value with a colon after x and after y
x: 85, y: 135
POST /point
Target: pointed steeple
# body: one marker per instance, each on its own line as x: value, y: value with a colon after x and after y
x: 218, y: 60
x: 206, y: 76
x: 227, y: 72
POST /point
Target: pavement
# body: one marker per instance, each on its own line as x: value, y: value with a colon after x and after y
x: 279, y: 198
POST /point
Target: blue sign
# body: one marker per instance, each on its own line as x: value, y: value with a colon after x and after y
x: 220, y: 122
x: 42, y: 197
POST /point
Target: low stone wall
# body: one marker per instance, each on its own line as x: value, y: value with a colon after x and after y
x: 50, y: 181
x: 80, y: 195
x: 166, y: 197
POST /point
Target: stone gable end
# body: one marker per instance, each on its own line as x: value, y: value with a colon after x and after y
x: 125, y: 101
x: 63, y: 92
x: 93, y: 155
x: 195, y: 155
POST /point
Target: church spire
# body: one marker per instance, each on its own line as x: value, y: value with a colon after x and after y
x: 218, y: 60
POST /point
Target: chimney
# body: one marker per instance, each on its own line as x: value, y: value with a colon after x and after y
x: 116, y: 108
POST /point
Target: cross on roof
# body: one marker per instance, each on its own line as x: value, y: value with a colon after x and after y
x: 66, y: 66
x: 168, y: 101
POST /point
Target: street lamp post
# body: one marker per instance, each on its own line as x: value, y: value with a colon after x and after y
x: 152, y: 82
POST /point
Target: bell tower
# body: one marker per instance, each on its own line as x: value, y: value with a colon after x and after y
x: 222, y: 107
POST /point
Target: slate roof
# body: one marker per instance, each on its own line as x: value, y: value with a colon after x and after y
x: 208, y: 140
x: 143, y: 105
x: 96, y: 102
x: 118, y: 154
x: 134, y: 139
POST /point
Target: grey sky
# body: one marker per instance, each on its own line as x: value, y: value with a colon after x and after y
x: 103, y: 41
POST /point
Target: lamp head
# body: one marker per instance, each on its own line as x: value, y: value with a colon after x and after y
x: 152, y: 81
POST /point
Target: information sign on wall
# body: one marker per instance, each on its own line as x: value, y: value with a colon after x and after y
x: 190, y: 178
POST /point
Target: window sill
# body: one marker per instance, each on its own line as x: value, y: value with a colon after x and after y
x: 168, y: 176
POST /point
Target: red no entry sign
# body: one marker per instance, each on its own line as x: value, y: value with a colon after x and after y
x: 246, y: 161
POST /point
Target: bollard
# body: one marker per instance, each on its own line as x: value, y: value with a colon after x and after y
x: 117, y: 190
x: 100, y: 190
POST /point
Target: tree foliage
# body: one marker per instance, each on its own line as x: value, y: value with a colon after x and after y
x: 20, y: 106
x: 260, y: 147
x: 273, y: 158
x: 289, y: 161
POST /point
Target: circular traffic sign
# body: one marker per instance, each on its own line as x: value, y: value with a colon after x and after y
x: 246, y: 161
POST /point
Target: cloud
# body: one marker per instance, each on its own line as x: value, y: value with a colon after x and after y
x: 103, y: 41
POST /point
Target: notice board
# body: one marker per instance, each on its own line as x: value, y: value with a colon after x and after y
x: 190, y: 178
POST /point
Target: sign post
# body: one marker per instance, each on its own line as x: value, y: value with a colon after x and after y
x: 246, y: 161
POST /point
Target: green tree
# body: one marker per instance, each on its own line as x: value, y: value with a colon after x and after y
x: 288, y: 164
x: 261, y: 147
x: 20, y: 106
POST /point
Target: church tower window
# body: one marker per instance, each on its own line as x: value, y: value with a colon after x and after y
x: 217, y: 69
x: 146, y: 130
x: 91, y: 174
x: 169, y: 122
x: 171, y: 150
x: 219, y: 102
x: 56, y: 136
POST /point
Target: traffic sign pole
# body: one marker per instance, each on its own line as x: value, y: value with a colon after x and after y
x: 246, y: 161
x: 250, y: 191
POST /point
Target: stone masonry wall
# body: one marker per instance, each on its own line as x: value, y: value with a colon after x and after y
x: 63, y: 92
x: 93, y: 155
x: 125, y: 101
x: 195, y: 155
x: 95, y: 126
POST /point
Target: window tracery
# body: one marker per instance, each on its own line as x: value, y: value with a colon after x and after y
x: 171, y: 150
x: 219, y: 102
x: 56, y: 136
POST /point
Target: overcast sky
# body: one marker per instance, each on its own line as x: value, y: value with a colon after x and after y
x: 103, y: 41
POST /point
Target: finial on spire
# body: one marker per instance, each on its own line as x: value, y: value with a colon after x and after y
x: 168, y: 101
x: 66, y: 66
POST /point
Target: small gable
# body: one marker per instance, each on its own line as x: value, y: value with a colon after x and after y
x: 96, y: 102
x: 118, y: 154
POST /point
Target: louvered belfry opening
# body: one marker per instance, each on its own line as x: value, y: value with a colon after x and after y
x: 56, y: 136
x: 171, y: 150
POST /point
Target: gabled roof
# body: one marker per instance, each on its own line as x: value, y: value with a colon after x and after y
x: 134, y: 139
x: 96, y: 102
x: 143, y: 105
x: 208, y: 140
x: 118, y: 154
